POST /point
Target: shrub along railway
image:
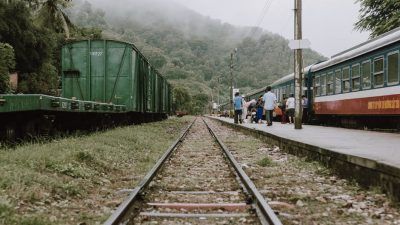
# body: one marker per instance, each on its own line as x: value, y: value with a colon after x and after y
x: 104, y: 83
x: 197, y: 181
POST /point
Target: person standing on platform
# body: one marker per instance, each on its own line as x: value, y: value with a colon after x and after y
x: 304, y: 102
x: 250, y: 105
x: 290, y: 105
x: 244, y: 109
x: 260, y: 108
x: 283, y: 108
x: 269, y: 99
x: 238, y: 104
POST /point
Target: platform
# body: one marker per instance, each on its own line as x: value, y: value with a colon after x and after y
x: 375, y: 155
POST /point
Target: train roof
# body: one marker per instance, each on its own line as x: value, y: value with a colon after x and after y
x: 288, y: 77
x: 71, y: 41
x: 361, y: 49
x: 256, y: 91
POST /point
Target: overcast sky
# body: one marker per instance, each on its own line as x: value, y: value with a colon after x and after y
x: 328, y: 24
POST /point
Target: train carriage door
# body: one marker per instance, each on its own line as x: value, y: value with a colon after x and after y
x: 74, y: 65
x: 97, y: 68
x: 118, y: 70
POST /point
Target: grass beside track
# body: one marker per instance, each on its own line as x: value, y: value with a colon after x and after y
x: 76, y: 180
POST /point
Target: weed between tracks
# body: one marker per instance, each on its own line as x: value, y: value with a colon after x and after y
x: 75, y: 180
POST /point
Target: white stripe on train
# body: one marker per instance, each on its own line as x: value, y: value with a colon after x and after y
x: 394, y: 90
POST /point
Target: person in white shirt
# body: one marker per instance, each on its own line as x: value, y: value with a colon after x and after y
x: 290, y: 105
x: 269, y: 100
x: 245, y: 108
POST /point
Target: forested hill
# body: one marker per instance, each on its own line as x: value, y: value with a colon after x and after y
x: 192, y: 50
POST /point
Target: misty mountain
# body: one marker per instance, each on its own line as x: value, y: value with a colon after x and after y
x: 192, y: 50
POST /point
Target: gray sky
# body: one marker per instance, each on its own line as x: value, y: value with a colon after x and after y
x: 328, y: 24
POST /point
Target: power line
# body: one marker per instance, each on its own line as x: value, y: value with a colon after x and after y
x: 261, y: 18
x: 262, y: 12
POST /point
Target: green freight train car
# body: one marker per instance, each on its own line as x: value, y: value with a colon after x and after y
x: 104, y: 82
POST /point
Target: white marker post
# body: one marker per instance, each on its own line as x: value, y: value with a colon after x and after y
x: 299, y: 44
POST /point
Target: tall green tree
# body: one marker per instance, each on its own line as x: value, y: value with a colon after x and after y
x: 182, y: 99
x: 51, y: 14
x: 32, y: 44
x: 34, y: 47
x: 378, y: 16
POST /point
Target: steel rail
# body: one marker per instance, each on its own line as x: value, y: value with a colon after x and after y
x: 119, y: 215
x: 265, y: 210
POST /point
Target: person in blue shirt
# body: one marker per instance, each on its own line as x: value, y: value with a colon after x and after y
x: 238, y: 105
x: 269, y: 100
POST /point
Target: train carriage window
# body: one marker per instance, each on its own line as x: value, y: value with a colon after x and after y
x: 317, y: 87
x: 323, y: 84
x: 366, y: 74
x: 393, y: 68
x: 355, y: 77
x: 329, y: 84
x: 284, y: 95
x: 338, y: 81
x: 346, y: 79
x: 279, y: 94
x: 288, y: 90
x: 378, y: 72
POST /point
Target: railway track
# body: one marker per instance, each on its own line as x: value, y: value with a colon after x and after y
x: 197, y: 181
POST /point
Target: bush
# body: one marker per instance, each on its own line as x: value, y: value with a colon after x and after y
x: 7, y: 63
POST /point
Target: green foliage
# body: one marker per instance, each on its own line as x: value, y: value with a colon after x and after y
x: 199, y: 102
x: 32, y: 45
x: 7, y: 63
x: 45, y: 81
x: 379, y: 16
x: 51, y: 14
x: 36, y: 30
x: 182, y: 99
x: 36, y: 47
x: 83, y: 15
x: 264, y: 162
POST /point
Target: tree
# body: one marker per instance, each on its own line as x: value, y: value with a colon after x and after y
x: 199, y: 103
x: 7, y: 63
x: 36, y: 48
x: 378, y: 16
x: 32, y: 45
x: 51, y: 14
x: 182, y: 99
x: 44, y: 81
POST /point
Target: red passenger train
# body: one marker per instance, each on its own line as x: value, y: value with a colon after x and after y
x: 357, y: 88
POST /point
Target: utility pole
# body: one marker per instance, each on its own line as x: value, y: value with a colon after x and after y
x: 298, y: 59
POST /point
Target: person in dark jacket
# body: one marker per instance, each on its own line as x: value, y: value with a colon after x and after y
x: 283, y: 108
x: 304, y: 103
x: 260, y: 108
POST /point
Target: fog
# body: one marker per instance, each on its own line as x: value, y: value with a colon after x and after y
x: 328, y: 24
